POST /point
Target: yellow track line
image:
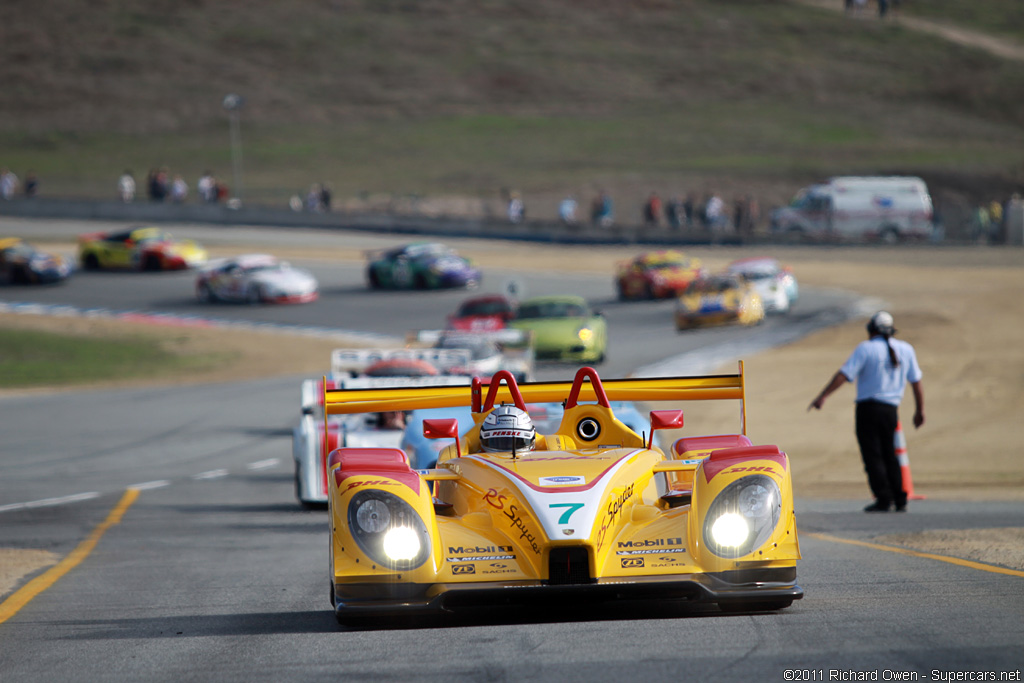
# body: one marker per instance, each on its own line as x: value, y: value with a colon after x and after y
x: 915, y: 553
x: 25, y: 594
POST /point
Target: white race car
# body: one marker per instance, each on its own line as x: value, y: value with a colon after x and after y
x: 774, y: 282
x: 489, y: 351
x: 377, y: 369
x: 255, y: 278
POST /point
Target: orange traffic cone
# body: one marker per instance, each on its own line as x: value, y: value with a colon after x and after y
x: 901, y: 455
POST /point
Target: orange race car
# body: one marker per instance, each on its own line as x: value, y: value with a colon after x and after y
x: 656, y: 275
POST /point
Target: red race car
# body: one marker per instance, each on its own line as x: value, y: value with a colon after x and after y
x: 657, y: 275
x: 483, y: 314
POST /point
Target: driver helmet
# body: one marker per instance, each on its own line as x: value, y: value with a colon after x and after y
x: 508, y: 428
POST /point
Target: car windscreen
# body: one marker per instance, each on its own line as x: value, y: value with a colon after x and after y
x: 552, y: 309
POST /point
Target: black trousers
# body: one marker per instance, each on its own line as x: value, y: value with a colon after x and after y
x: 876, y: 434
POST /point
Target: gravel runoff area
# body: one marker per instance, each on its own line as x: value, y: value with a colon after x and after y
x: 958, y: 306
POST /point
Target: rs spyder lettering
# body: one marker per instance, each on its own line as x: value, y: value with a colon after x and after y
x: 517, y: 522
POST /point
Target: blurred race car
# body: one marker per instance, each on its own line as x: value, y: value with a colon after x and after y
x: 718, y: 300
x: 138, y: 249
x: 489, y: 352
x: 355, y: 369
x: 483, y: 313
x: 656, y: 275
x: 564, y: 328
x: 590, y: 511
x: 774, y: 282
x: 422, y: 265
x: 255, y: 278
x: 21, y: 263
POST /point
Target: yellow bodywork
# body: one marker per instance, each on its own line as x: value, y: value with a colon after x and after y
x: 718, y: 302
x: 578, y: 511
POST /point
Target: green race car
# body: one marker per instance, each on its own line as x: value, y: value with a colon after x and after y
x: 421, y: 265
x: 564, y: 328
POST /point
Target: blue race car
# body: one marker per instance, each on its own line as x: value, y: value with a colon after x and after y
x: 421, y: 265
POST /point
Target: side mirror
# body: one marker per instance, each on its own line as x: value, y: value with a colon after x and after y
x: 664, y: 419
x: 445, y: 428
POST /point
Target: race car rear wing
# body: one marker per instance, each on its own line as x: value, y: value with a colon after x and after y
x: 506, y: 337
x: 354, y: 361
x: 503, y: 388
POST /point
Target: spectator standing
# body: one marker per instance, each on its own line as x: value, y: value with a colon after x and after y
x: 516, y: 208
x: 157, y: 185
x: 995, y: 215
x: 325, y: 197
x: 126, y: 187
x: 882, y: 367
x: 567, y: 211
x: 982, y: 223
x: 714, y: 208
x: 206, y: 187
x: 739, y: 214
x: 8, y: 184
x: 31, y: 184
x: 672, y: 208
x: 652, y: 210
x: 688, y: 209
x: 602, y: 210
x: 179, y: 189
x: 313, y: 199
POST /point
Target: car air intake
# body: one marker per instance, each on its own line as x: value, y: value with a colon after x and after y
x: 569, y: 566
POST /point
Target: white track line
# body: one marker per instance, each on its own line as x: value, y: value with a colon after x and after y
x: 146, y: 485
x: 49, y: 502
x: 262, y: 464
x: 212, y: 474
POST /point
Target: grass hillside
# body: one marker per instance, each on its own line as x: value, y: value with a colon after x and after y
x: 463, y: 97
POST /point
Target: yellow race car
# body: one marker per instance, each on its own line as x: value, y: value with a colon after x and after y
x: 138, y: 249
x: 591, y: 511
x: 718, y: 300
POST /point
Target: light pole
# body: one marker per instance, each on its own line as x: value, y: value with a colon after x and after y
x: 233, y: 104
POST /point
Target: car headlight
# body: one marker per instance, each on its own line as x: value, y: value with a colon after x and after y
x: 585, y: 334
x: 388, y: 530
x: 743, y: 516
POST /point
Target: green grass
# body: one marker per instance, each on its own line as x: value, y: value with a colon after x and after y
x: 434, y: 97
x: 31, y: 358
x: 998, y: 17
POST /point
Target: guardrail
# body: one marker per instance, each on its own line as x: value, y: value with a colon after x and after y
x: 450, y: 226
x: 221, y: 214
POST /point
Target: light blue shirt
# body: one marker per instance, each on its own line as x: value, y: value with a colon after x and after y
x: 877, y: 379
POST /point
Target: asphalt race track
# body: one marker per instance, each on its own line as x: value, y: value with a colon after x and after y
x: 212, y: 572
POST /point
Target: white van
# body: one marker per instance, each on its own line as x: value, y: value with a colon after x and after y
x: 855, y: 208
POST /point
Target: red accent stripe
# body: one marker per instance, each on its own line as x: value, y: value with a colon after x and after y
x: 384, y: 463
x: 727, y: 457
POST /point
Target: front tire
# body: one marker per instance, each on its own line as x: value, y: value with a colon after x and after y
x: 91, y: 262
x: 151, y: 263
x: 204, y: 294
x: 889, y: 235
x: 254, y: 296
